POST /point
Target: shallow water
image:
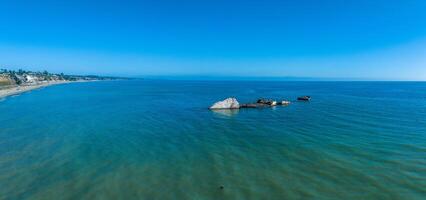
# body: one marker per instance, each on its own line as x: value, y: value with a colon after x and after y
x: 156, y: 140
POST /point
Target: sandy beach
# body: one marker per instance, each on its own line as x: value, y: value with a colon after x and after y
x: 25, y: 88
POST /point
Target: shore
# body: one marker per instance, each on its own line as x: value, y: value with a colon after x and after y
x: 25, y: 88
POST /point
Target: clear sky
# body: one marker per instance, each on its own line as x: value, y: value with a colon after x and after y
x: 367, y: 39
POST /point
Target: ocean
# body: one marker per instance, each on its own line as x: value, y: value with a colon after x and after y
x: 156, y: 139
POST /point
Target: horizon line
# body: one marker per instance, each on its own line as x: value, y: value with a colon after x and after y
x: 220, y: 77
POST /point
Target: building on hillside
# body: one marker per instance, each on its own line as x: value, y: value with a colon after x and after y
x: 31, y: 79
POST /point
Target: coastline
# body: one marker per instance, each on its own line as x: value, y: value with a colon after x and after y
x: 26, y: 88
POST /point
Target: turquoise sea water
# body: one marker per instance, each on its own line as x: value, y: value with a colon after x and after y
x: 156, y: 140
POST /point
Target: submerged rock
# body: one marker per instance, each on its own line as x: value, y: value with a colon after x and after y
x: 229, y: 103
x: 249, y: 105
x: 226, y: 112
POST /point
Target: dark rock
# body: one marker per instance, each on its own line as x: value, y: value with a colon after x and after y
x: 267, y: 102
x: 304, y: 98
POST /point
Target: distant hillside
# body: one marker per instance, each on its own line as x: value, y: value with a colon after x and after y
x: 22, y: 77
x: 6, y: 80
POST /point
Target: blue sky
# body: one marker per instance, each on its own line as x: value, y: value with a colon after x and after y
x: 372, y: 39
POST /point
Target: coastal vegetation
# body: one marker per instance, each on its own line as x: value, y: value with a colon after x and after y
x: 15, y: 82
x: 23, y: 77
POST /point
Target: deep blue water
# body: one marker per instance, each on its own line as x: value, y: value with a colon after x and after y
x: 156, y: 140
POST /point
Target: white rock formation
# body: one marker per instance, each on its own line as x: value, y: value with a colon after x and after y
x: 285, y: 102
x: 229, y: 103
